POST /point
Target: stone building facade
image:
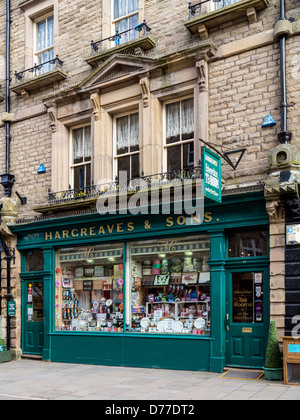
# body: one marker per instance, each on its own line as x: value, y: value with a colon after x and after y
x: 225, y: 55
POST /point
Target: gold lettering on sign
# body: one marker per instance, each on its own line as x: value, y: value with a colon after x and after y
x: 75, y: 235
x: 48, y: 236
x: 130, y: 226
x: 65, y: 234
x: 121, y: 227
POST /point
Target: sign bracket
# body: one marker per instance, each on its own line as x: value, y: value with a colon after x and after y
x: 225, y: 155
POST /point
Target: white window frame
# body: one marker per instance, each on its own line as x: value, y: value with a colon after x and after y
x: 115, y: 155
x: 181, y: 142
x: 114, y: 21
x: 35, y: 52
x: 72, y: 165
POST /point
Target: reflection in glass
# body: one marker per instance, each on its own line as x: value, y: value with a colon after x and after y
x: 248, y: 244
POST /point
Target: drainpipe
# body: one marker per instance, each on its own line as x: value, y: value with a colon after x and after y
x: 7, y: 179
x: 282, y: 30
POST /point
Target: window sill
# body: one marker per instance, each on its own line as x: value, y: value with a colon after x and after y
x: 246, y: 9
x: 144, y: 43
x: 49, y: 78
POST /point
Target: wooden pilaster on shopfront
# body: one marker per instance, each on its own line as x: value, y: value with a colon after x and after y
x: 217, y: 269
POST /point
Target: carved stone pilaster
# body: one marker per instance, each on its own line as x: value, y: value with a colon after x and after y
x: 96, y: 104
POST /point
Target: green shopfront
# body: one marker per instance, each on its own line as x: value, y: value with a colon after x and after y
x: 149, y: 290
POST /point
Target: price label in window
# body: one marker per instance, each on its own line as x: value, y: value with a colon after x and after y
x: 162, y: 280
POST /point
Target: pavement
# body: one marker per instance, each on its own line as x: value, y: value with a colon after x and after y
x: 37, y: 380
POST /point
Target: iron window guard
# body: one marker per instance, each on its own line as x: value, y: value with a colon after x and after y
x: 118, y: 36
x: 19, y: 76
x: 133, y: 185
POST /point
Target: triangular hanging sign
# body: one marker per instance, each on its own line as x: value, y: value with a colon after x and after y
x: 235, y: 164
x: 41, y: 169
x: 268, y: 121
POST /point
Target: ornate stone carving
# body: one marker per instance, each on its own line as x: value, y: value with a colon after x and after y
x: 202, y: 72
x: 272, y: 210
x: 145, y: 86
x: 96, y: 104
x: 52, y: 112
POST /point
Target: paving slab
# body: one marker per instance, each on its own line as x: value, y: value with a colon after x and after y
x: 37, y: 380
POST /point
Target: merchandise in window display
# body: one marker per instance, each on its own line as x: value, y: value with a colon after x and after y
x: 89, y: 297
x: 175, y: 297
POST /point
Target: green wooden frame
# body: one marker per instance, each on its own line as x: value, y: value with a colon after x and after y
x: 236, y: 212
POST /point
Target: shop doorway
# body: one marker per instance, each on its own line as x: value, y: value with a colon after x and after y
x: 247, y: 317
x: 33, y: 317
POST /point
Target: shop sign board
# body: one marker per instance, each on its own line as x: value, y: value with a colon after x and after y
x: 211, y: 175
x: 11, y: 308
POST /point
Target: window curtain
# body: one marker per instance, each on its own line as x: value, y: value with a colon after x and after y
x: 128, y: 134
x: 87, y: 143
x: 45, y: 40
x: 45, y: 37
x: 122, y: 135
x: 77, y: 145
x: 173, y: 122
x: 187, y: 118
x: 124, y: 7
x: 134, y: 133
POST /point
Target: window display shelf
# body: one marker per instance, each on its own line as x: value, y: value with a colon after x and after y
x: 177, y: 312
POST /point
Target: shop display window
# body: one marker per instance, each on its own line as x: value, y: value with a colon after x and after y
x: 89, y: 288
x: 169, y: 286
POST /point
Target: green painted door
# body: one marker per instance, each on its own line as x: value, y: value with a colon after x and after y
x: 247, y: 317
x: 33, y: 318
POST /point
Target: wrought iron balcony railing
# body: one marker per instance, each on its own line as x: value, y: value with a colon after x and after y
x: 197, y: 8
x: 39, y: 69
x: 142, y: 28
x: 133, y: 185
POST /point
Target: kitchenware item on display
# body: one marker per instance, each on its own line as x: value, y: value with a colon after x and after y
x: 178, y: 326
x: 145, y: 322
x: 164, y: 266
x: 160, y: 326
x: 199, y: 323
x: 156, y: 267
x: 147, y: 268
x: 175, y: 265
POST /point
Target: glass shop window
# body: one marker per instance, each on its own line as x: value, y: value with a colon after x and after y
x: 169, y: 286
x: 35, y: 260
x: 89, y: 288
x: 248, y: 244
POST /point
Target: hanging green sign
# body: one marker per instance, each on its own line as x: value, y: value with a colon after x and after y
x: 211, y: 175
x: 11, y: 308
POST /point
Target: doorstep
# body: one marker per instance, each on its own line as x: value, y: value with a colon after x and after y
x: 32, y: 356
